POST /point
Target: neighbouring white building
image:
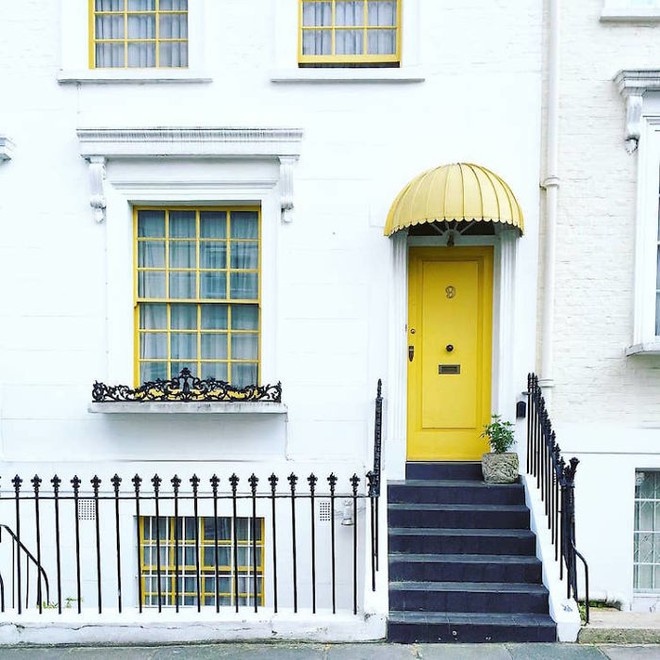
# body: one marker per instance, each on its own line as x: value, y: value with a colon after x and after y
x: 310, y: 196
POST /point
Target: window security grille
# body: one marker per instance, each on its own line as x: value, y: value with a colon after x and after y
x: 646, y: 558
x: 324, y: 511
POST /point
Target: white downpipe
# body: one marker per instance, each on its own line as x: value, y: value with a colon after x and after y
x: 551, y: 187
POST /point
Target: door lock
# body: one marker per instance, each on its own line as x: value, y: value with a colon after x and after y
x: 449, y: 348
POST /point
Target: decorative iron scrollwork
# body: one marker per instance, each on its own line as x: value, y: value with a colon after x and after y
x: 186, y: 387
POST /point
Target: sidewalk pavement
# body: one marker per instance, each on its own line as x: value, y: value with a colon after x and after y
x: 363, y: 651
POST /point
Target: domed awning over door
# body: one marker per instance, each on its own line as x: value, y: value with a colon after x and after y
x: 461, y: 192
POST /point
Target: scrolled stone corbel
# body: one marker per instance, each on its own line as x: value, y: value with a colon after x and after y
x: 286, y: 186
x: 634, y: 104
x: 96, y: 179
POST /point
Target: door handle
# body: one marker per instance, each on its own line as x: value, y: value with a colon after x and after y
x: 411, y: 353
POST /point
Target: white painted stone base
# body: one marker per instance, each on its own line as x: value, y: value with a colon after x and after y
x: 150, y: 627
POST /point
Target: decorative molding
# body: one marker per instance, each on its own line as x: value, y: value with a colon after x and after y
x: 286, y: 186
x: 632, y: 85
x: 190, y: 142
x: 6, y: 148
x: 621, y: 11
x: 99, y: 144
x: 96, y: 179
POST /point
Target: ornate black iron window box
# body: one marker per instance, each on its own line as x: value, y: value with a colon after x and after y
x: 186, y: 393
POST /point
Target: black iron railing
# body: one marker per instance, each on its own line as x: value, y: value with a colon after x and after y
x: 555, y: 479
x: 373, y: 479
x: 213, y: 543
x: 19, y: 552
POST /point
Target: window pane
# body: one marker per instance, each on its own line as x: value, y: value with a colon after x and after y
x: 173, y: 54
x: 244, y: 347
x: 141, y: 5
x: 244, y: 286
x: 243, y: 375
x: 657, y: 314
x: 141, y: 26
x: 348, y: 42
x: 244, y: 317
x: 244, y: 255
x: 382, y: 13
x: 182, y: 285
x: 141, y: 55
x: 244, y: 224
x: 153, y: 345
x: 173, y: 5
x: 183, y: 345
x: 217, y: 370
x: 212, y: 254
x: 153, y: 371
x: 109, y: 55
x: 151, y: 284
x: 349, y: 13
x: 182, y: 224
x: 173, y: 26
x: 109, y: 27
x: 214, y: 317
x: 214, y: 346
x: 151, y: 254
x: 182, y: 254
x: 213, y: 224
x: 153, y: 317
x: 177, y: 367
x: 317, y: 42
x: 183, y: 317
x: 381, y: 42
x: 109, y: 5
x: 151, y: 224
x: 213, y: 285
x: 317, y: 13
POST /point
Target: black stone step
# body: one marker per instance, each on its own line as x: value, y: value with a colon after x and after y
x: 456, y: 541
x: 464, y: 516
x: 492, y: 597
x: 454, y: 492
x: 445, y: 470
x: 462, y: 567
x: 469, y: 627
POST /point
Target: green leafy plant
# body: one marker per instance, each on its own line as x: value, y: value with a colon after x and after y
x: 499, y: 434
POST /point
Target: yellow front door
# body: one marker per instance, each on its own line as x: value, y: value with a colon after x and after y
x: 450, y: 295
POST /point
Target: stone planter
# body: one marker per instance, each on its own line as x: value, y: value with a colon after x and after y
x: 500, y: 468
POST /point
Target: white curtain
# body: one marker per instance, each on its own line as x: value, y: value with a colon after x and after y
x: 380, y: 15
x: 139, y: 27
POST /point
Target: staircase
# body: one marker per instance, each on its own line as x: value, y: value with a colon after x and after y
x: 462, y: 563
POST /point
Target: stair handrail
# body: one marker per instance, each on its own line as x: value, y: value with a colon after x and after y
x: 555, y: 480
x: 373, y: 479
x: 29, y: 557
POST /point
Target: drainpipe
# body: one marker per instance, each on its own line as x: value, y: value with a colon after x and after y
x: 551, y: 187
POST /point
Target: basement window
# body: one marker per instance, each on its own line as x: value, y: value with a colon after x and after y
x: 646, y: 556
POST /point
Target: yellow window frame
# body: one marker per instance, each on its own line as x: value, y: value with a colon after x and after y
x: 206, y: 571
x: 333, y: 58
x: 198, y: 301
x: 156, y: 12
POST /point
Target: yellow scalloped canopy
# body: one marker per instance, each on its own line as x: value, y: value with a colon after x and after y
x: 459, y: 191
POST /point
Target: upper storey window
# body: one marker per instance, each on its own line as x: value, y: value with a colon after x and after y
x: 139, y: 33
x: 355, y: 33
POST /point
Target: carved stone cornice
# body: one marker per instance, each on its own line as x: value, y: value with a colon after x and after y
x: 632, y: 85
x: 97, y: 145
x: 201, y: 141
x: 6, y: 148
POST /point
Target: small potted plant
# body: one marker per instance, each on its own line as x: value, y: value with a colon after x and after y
x: 500, y: 466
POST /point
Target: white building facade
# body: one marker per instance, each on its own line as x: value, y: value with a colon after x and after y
x: 206, y: 185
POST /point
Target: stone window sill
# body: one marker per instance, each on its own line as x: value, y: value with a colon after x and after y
x: 186, y: 407
x: 349, y: 75
x: 109, y: 76
x: 645, y: 348
x: 630, y: 14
